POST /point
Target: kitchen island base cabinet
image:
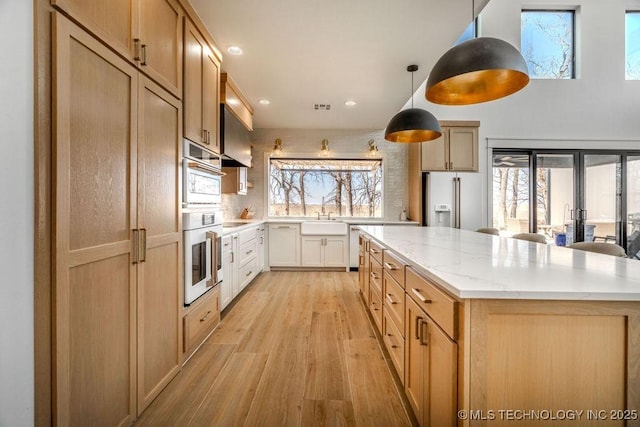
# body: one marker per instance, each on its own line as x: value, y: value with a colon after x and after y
x: 555, y: 355
x: 431, y: 372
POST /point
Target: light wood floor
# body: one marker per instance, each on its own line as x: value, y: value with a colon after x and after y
x: 296, y: 348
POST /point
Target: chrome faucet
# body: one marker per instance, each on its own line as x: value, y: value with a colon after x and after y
x: 323, y: 206
x: 322, y: 211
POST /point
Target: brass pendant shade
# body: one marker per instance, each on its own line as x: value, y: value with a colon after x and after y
x: 412, y: 124
x: 478, y: 70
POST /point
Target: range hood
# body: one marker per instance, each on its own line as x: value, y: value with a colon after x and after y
x: 235, y: 140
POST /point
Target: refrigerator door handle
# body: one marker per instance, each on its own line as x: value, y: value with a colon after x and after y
x: 456, y: 202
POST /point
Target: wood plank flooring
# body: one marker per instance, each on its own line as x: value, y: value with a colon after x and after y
x: 295, y: 349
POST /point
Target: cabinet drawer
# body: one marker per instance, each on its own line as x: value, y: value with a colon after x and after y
x: 247, y: 272
x: 393, y: 301
x: 375, y: 307
x: 394, y: 266
x: 394, y: 342
x: 201, y: 319
x: 376, y: 251
x: 246, y: 251
x: 245, y: 236
x: 375, y: 277
x: 442, y: 308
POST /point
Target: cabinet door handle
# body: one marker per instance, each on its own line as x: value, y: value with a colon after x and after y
x: 418, y: 320
x: 204, y: 136
x: 136, y: 49
x: 143, y: 245
x: 205, y: 316
x: 390, y: 266
x: 136, y: 246
x: 424, y: 341
x: 391, y: 301
x: 417, y: 293
x: 144, y: 55
x: 233, y: 257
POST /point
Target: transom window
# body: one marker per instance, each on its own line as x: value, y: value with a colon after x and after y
x: 632, y: 46
x: 548, y: 44
x: 342, y: 187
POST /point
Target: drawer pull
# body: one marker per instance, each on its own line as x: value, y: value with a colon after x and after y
x: 248, y: 252
x: 417, y: 293
x: 391, y: 301
x: 205, y: 316
x: 283, y: 226
x: 248, y: 274
x: 374, y: 251
x: 390, y: 266
x: 374, y: 276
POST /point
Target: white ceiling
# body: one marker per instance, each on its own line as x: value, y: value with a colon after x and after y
x: 301, y: 52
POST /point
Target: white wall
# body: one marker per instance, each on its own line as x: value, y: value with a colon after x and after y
x: 599, y: 106
x: 16, y: 215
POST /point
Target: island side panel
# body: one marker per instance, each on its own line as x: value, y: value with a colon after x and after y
x: 553, y: 355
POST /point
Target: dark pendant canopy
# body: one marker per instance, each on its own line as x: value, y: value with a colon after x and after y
x: 478, y: 70
x: 413, y: 124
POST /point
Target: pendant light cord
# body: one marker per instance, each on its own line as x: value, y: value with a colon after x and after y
x: 412, y: 89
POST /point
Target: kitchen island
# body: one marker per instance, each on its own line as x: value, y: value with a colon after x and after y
x: 498, y: 331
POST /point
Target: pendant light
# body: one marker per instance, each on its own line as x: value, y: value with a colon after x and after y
x: 478, y: 70
x: 413, y: 124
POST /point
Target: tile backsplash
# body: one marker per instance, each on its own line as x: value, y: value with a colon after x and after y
x: 307, y: 142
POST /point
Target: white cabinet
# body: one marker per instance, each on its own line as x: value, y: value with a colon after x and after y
x: 260, y: 247
x: 324, y: 251
x: 228, y: 269
x: 284, y: 245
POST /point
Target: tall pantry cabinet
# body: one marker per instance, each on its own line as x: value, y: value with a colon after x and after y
x: 116, y: 235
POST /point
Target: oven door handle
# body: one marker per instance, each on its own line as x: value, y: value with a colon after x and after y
x: 215, y: 237
x: 204, y: 167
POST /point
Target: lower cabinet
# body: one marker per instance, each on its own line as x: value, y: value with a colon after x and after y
x: 228, y: 269
x: 200, y: 319
x: 323, y: 251
x: 284, y: 245
x: 430, y: 369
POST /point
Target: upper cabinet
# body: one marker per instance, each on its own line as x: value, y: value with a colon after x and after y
x: 201, y: 90
x: 147, y: 33
x: 455, y: 150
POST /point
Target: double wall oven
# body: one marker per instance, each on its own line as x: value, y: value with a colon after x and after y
x: 201, y: 220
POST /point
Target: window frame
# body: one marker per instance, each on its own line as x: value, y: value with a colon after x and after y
x: 574, y: 41
x: 307, y: 156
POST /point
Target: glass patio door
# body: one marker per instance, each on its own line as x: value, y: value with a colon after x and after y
x: 555, y: 195
x: 633, y: 207
x: 598, y: 216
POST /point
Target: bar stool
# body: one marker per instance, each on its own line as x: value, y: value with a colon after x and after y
x: 531, y: 237
x: 600, y: 247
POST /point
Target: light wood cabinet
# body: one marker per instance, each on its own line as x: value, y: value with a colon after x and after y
x: 455, y: 150
x: 430, y: 369
x: 363, y: 267
x: 235, y: 180
x: 235, y: 101
x: 201, y: 89
x: 284, y: 245
x: 117, y: 233
x: 201, y: 319
x: 323, y: 251
x: 147, y: 33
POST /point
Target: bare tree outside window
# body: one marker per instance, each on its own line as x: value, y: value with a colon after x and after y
x: 343, y: 187
x: 632, y: 46
x: 548, y: 43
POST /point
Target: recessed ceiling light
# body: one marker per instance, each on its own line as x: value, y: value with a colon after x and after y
x: 350, y: 103
x: 264, y: 101
x: 234, y: 50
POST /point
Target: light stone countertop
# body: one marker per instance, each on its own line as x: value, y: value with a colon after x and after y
x: 243, y: 224
x: 477, y: 265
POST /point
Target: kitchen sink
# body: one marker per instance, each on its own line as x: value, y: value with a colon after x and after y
x: 335, y: 228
